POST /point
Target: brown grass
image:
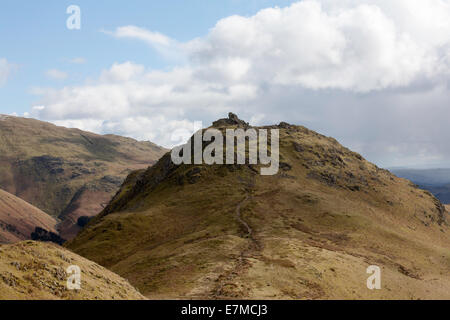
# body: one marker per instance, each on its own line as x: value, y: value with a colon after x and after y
x: 33, y: 270
x: 18, y: 219
x: 67, y: 172
x: 316, y: 227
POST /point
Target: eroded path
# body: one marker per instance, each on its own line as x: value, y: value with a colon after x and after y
x: 227, y: 287
x: 239, y: 217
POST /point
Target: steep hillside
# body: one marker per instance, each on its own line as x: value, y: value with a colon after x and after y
x: 36, y: 270
x: 309, y: 232
x: 18, y: 219
x: 437, y: 181
x: 442, y: 192
x: 425, y: 176
x: 67, y: 173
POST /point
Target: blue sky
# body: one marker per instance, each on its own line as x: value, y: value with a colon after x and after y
x: 35, y: 38
x: 374, y: 74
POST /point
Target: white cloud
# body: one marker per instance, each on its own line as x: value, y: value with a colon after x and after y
x: 5, y: 70
x: 362, y: 71
x: 163, y: 44
x: 153, y: 38
x: 332, y: 45
x: 119, y: 73
x: 56, y: 74
x: 142, y: 128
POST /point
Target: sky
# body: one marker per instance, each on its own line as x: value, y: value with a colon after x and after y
x: 374, y: 74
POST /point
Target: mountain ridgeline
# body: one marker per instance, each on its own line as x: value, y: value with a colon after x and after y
x: 308, y: 232
x: 437, y: 181
x: 67, y: 173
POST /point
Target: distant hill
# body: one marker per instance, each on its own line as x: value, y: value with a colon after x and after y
x: 437, y: 181
x: 37, y: 271
x: 18, y: 219
x: 67, y: 173
x: 308, y: 232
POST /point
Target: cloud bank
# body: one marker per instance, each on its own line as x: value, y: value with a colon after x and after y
x: 374, y: 74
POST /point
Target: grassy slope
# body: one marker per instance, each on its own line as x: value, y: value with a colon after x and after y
x: 34, y: 270
x: 437, y: 181
x: 18, y: 219
x: 66, y: 172
x: 316, y: 227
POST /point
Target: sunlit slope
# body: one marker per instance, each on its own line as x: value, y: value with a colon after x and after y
x: 67, y: 173
x: 309, y: 232
x: 18, y: 219
x: 36, y: 271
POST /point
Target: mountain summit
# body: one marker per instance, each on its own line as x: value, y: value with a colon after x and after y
x: 231, y: 120
x: 309, y: 232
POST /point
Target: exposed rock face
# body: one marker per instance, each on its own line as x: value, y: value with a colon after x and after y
x: 284, y: 125
x: 230, y: 121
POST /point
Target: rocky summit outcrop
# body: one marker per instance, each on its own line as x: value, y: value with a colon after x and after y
x: 67, y: 173
x: 308, y: 232
x: 232, y: 120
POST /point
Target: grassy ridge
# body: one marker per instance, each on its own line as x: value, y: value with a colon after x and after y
x: 183, y: 231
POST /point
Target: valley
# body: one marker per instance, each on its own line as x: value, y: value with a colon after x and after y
x: 67, y: 173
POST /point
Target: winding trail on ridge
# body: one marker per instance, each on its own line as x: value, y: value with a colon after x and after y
x: 239, y: 217
x: 226, y: 287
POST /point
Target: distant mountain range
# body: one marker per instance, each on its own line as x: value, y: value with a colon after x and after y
x: 437, y: 181
x: 67, y: 173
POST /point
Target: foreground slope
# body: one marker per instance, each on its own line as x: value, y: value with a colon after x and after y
x: 36, y: 270
x: 18, y: 219
x: 67, y: 173
x: 309, y: 232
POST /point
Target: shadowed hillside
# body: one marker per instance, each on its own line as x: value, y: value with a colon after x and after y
x: 308, y: 232
x: 67, y: 173
x: 18, y: 219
